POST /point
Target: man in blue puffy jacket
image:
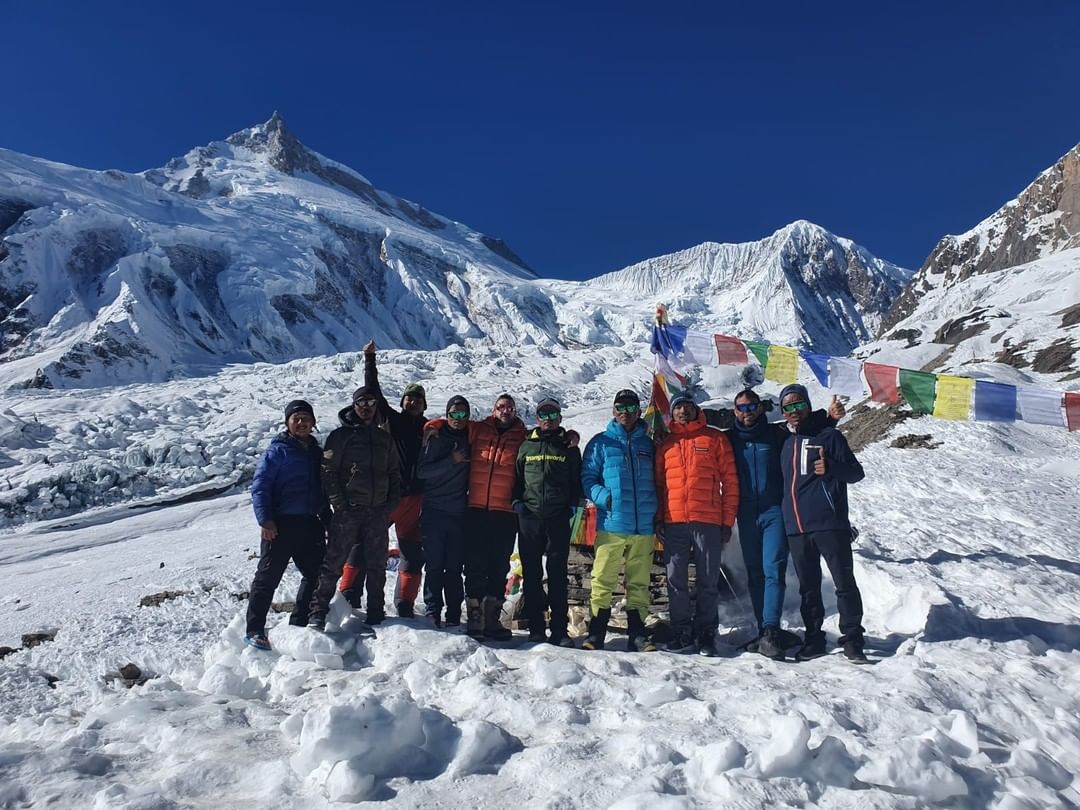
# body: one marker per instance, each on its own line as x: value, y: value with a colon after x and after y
x: 293, y: 514
x: 818, y: 465
x: 617, y: 476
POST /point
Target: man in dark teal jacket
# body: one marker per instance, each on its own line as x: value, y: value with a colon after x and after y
x: 818, y: 465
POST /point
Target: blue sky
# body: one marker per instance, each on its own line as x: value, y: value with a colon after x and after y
x: 588, y: 135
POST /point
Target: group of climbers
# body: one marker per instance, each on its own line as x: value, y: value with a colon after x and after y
x: 459, y: 491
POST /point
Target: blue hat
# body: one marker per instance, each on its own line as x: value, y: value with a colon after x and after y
x: 795, y: 388
x: 682, y: 398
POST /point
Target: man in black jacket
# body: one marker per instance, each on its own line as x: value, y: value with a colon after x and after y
x: 547, y: 488
x: 407, y: 429
x: 818, y: 465
x: 361, y: 476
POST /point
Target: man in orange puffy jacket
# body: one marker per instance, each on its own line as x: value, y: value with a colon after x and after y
x: 698, y: 488
x: 490, y: 521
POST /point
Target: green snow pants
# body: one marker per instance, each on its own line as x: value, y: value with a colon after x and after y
x: 611, y: 550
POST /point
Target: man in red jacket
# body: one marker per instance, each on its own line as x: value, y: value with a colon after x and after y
x: 698, y: 489
x: 490, y: 521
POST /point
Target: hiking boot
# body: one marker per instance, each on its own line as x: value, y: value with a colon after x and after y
x: 474, y: 618
x: 375, y: 615
x: 637, y: 638
x: 706, y: 645
x: 853, y: 650
x: 405, y: 610
x: 770, y: 645
x: 317, y: 621
x: 435, y: 618
x: 493, y: 626
x: 788, y: 639
x: 597, y: 630
x: 814, y: 648
x: 680, y: 643
x: 752, y: 645
x: 259, y: 641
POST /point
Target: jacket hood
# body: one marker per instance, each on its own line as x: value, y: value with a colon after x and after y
x: 347, y: 416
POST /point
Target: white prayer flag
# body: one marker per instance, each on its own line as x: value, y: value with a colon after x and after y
x: 1040, y: 406
x: 845, y: 377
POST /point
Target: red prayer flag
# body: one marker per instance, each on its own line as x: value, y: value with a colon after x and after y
x: 730, y: 351
x: 1072, y: 410
x: 659, y: 396
x: 882, y: 382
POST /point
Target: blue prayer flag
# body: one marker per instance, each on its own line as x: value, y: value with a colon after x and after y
x: 819, y: 364
x: 994, y: 402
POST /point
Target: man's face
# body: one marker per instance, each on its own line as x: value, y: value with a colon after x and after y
x: 413, y: 405
x: 626, y: 414
x: 365, y: 409
x: 795, y: 408
x: 747, y: 411
x: 549, y: 418
x: 300, y: 424
x: 458, y: 418
x: 684, y: 413
x: 504, y: 412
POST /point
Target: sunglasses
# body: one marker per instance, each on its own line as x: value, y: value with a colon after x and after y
x: 547, y: 415
x: 365, y: 403
x: 746, y: 407
x: 630, y: 408
x: 458, y: 414
x: 792, y: 407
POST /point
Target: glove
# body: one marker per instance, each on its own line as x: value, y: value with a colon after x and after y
x: 725, y: 534
x: 521, y: 508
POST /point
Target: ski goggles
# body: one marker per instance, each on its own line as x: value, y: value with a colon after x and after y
x: 458, y: 414
x: 366, y: 402
x: 548, y: 415
x: 792, y: 407
x: 628, y: 407
x: 746, y: 407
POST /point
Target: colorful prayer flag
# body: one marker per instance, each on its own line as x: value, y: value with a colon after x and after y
x: 953, y: 397
x: 783, y: 365
x: 819, y: 364
x: 918, y: 388
x: 994, y: 402
x: 1040, y: 406
x: 845, y: 377
x: 882, y: 382
x: 730, y: 351
x: 1072, y: 410
x: 760, y: 348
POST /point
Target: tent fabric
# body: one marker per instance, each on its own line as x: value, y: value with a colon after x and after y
x: 882, y: 382
x: 953, y: 397
x: 994, y: 402
x: 919, y: 389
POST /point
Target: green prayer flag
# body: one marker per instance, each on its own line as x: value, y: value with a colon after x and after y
x: 760, y: 348
x: 919, y: 389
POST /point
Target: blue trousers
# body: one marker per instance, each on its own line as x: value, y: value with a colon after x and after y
x: 765, y: 554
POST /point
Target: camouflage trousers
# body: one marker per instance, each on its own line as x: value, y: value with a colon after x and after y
x: 367, y: 528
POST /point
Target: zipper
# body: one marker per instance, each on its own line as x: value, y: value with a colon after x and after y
x: 794, y: 481
x: 491, y: 467
x: 633, y: 474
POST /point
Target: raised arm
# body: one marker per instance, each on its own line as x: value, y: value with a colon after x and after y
x: 371, y: 380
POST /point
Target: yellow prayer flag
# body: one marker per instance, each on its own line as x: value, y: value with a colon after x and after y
x: 953, y: 397
x: 783, y: 365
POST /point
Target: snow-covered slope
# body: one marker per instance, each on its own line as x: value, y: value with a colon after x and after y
x: 259, y: 249
x: 801, y: 286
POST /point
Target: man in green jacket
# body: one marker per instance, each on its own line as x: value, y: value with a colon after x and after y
x: 361, y: 476
x: 547, y: 488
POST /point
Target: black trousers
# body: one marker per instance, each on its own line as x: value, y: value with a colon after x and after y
x: 444, y: 550
x: 807, y: 550
x: 538, y: 537
x: 300, y: 538
x: 365, y: 526
x: 489, y: 542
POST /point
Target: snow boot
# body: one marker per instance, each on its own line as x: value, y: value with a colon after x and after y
x: 853, y: 650
x: 680, y: 643
x: 637, y: 638
x: 474, y: 618
x: 317, y: 621
x: 706, y: 645
x: 375, y: 614
x: 770, y: 644
x: 597, y: 630
x: 812, y: 648
x: 405, y: 610
x: 493, y: 626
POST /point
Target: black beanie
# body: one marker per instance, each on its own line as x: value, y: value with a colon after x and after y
x: 299, y: 406
x: 457, y: 402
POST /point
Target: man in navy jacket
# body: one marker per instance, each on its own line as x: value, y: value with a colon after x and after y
x: 293, y: 514
x: 818, y: 465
